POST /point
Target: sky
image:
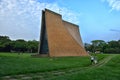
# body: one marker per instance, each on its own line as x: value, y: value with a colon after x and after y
x: 97, y: 19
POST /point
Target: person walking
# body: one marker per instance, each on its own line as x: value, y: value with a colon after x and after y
x: 92, y: 59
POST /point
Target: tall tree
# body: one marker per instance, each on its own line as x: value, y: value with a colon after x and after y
x: 113, y: 47
x: 20, y: 45
x: 32, y: 46
x: 5, y: 43
x: 98, y: 45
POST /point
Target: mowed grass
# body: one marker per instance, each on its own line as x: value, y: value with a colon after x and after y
x: 14, y: 64
x: 109, y: 71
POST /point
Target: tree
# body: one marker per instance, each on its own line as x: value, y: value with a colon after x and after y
x: 113, y: 44
x: 32, y: 46
x: 5, y: 44
x: 20, y: 45
x: 88, y: 47
x: 98, y: 45
x: 112, y: 47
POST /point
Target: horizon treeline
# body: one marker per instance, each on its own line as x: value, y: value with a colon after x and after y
x: 31, y: 46
x: 19, y: 45
x: 100, y: 46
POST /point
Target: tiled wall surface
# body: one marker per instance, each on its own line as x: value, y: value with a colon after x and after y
x: 63, y: 37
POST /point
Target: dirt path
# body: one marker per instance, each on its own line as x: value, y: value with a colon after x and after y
x: 52, y: 74
x: 104, y: 61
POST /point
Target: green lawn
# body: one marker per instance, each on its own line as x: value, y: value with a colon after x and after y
x: 17, y: 64
x: 109, y: 71
x: 61, y: 68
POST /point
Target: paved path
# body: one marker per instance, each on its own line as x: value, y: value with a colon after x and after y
x: 52, y: 74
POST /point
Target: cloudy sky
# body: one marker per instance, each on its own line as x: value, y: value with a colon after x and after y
x: 97, y: 19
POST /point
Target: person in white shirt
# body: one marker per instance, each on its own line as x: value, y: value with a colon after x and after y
x: 92, y: 59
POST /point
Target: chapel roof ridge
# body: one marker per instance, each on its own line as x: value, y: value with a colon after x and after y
x: 52, y: 11
x: 60, y: 16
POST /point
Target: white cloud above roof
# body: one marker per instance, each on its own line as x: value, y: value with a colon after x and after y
x: 21, y: 18
x: 114, y: 4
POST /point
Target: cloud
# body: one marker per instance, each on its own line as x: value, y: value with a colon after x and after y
x: 115, y: 30
x: 114, y: 4
x: 21, y: 18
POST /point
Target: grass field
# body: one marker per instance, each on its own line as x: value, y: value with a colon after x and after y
x: 23, y: 66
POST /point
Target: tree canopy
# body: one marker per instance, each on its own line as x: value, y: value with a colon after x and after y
x: 102, y: 46
x: 20, y: 45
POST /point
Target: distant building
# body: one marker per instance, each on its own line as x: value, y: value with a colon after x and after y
x: 59, y: 37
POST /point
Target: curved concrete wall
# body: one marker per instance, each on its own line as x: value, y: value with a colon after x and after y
x: 63, y: 40
x: 74, y: 31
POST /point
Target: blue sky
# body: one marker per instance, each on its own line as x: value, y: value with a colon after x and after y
x: 97, y: 19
